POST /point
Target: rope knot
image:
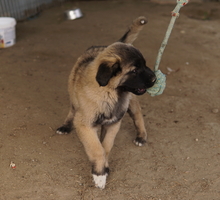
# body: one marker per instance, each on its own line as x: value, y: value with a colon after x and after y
x: 159, y: 86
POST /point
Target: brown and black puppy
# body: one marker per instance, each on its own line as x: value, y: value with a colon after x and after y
x: 102, y: 88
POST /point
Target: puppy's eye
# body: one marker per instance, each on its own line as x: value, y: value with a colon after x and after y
x: 134, y: 71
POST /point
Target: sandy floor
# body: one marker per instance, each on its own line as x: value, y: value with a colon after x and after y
x: 182, y: 158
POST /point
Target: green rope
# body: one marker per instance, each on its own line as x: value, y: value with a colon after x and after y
x: 160, y: 84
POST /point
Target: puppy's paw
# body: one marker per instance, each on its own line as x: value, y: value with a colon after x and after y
x: 100, y: 180
x: 139, y: 141
x: 63, y: 130
x: 107, y: 170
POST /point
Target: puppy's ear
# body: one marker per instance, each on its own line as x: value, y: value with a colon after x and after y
x: 106, y: 72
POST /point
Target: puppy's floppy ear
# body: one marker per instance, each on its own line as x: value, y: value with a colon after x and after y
x: 106, y: 71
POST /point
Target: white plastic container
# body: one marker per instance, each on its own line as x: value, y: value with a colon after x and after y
x: 7, y: 32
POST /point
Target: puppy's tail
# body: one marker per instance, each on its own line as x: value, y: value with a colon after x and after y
x: 133, y: 31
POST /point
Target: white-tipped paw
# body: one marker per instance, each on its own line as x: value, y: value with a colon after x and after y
x: 138, y: 143
x: 60, y: 133
x: 63, y: 130
x: 99, y: 180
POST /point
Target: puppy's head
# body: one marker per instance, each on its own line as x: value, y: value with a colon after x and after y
x: 124, y: 67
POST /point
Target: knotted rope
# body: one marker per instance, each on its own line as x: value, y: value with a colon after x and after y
x: 160, y: 84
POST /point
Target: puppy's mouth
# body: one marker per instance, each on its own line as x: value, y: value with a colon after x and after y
x: 136, y: 91
x: 139, y: 91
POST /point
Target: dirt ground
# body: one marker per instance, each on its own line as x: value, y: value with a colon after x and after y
x: 182, y: 157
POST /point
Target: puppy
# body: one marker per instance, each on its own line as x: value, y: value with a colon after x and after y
x: 102, y: 88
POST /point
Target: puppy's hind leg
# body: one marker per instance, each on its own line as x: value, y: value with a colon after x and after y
x: 68, y: 123
x: 134, y: 111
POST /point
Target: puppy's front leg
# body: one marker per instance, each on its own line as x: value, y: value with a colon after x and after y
x: 108, y: 140
x: 96, y: 153
x: 134, y: 111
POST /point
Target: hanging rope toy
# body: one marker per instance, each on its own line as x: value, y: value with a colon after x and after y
x: 160, y: 84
